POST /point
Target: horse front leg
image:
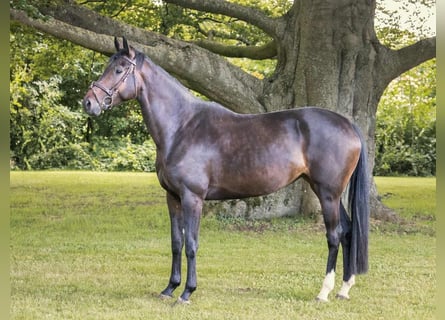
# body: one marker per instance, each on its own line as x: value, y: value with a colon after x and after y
x: 331, y: 219
x: 177, y: 243
x: 192, y: 208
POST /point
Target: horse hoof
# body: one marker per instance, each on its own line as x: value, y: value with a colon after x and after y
x: 182, y: 301
x: 321, y: 300
x: 164, y: 297
x: 341, y: 297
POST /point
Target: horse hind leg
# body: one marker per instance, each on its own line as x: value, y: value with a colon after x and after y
x: 345, y: 239
x: 330, y: 210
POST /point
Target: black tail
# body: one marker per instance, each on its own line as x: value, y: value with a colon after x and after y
x: 359, y: 209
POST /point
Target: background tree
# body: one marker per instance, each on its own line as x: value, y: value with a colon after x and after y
x: 326, y: 54
x: 406, y: 121
x: 48, y: 128
x: 406, y: 126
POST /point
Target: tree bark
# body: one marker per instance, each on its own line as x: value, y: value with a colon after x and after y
x: 327, y: 55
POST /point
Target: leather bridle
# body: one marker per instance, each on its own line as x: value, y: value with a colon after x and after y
x: 107, y: 101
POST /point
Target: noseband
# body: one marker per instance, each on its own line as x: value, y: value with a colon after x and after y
x: 108, y: 99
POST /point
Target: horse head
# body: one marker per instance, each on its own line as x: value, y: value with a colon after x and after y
x: 117, y: 83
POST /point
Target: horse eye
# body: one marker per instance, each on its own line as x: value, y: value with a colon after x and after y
x: 118, y: 70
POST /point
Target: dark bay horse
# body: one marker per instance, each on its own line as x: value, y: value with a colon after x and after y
x: 205, y: 151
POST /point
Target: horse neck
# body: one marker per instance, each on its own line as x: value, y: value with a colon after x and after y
x: 166, y: 104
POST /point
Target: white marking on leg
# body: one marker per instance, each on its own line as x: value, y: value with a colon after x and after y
x: 328, y: 285
x: 347, y: 285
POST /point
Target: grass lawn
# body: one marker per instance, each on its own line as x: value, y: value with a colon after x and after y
x: 97, y: 246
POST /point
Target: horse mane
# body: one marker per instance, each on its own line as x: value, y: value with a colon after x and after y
x: 140, y: 57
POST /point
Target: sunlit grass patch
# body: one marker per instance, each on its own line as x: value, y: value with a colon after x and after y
x: 413, y: 199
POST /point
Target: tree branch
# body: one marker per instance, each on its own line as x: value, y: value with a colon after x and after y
x: 199, y: 69
x: 415, y: 54
x: 250, y: 15
x: 393, y: 63
x: 83, y: 37
x: 215, y: 33
x: 267, y: 51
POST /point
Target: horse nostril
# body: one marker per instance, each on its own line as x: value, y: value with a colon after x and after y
x: 87, y: 103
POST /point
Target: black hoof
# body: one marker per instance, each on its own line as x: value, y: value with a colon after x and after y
x: 181, y: 301
x: 165, y: 296
x: 341, y: 297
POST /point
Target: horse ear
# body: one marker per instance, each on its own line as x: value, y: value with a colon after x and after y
x: 116, y: 44
x: 129, y: 50
x: 126, y: 48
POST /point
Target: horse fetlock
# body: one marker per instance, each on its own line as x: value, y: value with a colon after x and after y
x: 168, y: 292
x: 185, y: 296
x: 175, y: 281
x: 344, y: 290
x: 190, y: 289
x: 327, y: 287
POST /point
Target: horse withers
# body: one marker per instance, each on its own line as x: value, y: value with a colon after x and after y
x: 207, y: 152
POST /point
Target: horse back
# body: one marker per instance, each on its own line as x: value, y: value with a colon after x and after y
x: 227, y: 155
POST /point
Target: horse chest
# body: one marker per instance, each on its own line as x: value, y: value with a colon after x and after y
x: 176, y: 174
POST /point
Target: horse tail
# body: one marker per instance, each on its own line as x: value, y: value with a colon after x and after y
x: 358, y: 202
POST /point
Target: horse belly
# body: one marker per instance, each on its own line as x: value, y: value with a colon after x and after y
x: 240, y: 182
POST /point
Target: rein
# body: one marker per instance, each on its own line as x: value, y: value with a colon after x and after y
x: 108, y: 99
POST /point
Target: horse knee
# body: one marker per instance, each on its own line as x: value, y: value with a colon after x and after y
x: 345, y: 240
x: 191, y: 249
x: 191, y: 253
x: 177, y: 243
x: 191, y: 289
x: 177, y: 247
x: 333, y: 239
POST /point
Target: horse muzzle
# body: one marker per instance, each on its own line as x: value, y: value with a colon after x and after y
x: 91, y: 106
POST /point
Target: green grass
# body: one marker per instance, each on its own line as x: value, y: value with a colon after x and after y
x: 96, y: 246
x: 414, y: 199
x: 411, y: 197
